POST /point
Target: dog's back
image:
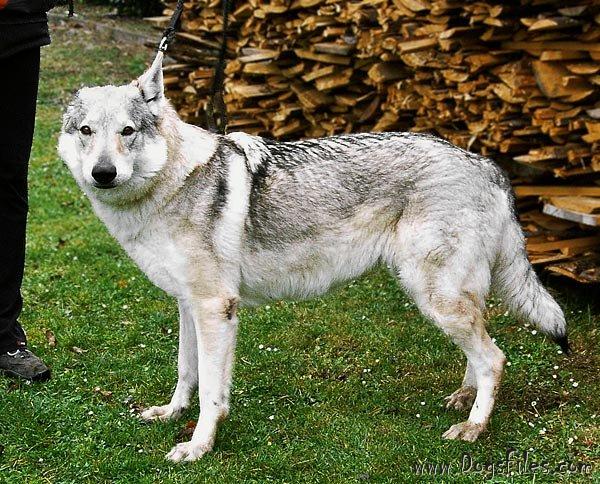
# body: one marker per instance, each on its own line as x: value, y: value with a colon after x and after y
x: 307, y: 185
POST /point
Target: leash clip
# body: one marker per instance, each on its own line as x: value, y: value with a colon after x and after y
x: 164, y: 44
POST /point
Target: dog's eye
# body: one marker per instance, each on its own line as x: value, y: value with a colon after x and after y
x: 127, y: 131
x: 86, y: 130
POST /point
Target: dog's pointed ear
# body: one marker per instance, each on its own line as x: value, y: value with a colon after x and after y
x: 151, y: 85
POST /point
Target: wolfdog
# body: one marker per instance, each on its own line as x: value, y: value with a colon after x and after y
x: 222, y: 220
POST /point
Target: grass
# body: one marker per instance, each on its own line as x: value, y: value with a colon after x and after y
x: 346, y: 388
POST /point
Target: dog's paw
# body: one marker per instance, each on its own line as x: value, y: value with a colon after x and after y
x: 188, y: 451
x: 467, y: 431
x: 164, y: 412
x: 461, y: 399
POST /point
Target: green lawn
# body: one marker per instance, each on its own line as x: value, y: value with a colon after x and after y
x: 346, y: 388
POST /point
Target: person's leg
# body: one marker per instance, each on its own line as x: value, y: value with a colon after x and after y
x: 18, y: 95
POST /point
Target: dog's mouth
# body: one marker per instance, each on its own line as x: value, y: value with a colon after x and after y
x: 104, y: 186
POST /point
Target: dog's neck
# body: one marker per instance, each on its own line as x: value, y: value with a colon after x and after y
x: 188, y: 148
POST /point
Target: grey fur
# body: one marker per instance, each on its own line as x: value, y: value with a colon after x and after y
x: 325, y: 180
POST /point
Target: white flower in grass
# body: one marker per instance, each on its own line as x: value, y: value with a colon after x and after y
x: 260, y: 347
x: 575, y: 384
x: 271, y: 417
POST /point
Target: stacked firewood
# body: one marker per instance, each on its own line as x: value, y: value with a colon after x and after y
x: 517, y: 81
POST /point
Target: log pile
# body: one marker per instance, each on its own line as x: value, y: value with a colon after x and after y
x: 517, y: 81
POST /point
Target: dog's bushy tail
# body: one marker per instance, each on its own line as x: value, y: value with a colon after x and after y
x: 517, y: 283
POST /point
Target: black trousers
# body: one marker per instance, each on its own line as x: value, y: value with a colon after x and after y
x: 19, y: 75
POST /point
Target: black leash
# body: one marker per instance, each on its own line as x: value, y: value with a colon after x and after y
x: 216, y: 119
x: 171, y: 29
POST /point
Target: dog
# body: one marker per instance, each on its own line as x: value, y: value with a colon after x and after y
x: 219, y: 221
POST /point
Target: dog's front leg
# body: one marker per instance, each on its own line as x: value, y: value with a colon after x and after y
x: 187, y: 369
x: 216, y: 328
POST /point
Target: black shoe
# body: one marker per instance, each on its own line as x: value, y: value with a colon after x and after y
x: 22, y: 363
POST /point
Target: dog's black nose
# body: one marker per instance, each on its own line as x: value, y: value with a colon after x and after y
x: 104, y: 173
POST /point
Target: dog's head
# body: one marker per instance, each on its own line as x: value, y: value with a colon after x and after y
x: 111, y: 138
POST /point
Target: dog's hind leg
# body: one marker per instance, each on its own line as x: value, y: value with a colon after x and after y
x: 462, y: 320
x: 216, y: 328
x: 445, y: 266
x: 187, y: 370
x: 463, y: 398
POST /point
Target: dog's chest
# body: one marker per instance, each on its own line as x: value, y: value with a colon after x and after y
x: 157, y: 255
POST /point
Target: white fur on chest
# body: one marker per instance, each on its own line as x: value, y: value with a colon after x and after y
x: 159, y: 258
x: 151, y: 246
